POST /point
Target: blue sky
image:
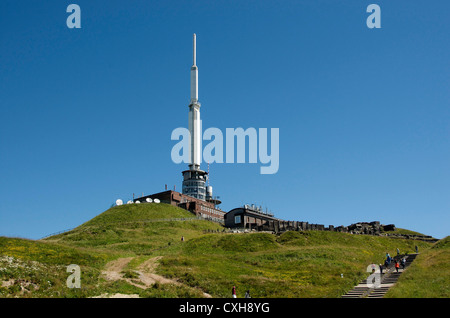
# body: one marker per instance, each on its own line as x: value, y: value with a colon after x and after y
x: 86, y: 114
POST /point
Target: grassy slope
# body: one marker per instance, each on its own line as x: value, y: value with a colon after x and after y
x: 137, y: 229
x: 294, y: 264
x: 428, y: 276
x: 405, y: 231
x: 130, y: 230
x: 40, y: 268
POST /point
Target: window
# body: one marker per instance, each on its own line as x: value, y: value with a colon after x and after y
x: 237, y: 219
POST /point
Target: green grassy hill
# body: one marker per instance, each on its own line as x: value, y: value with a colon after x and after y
x: 428, y: 276
x: 294, y: 264
x: 137, y: 249
x: 38, y: 269
x: 136, y: 229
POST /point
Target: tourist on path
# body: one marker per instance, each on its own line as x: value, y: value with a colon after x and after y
x: 396, y: 266
x: 233, y: 292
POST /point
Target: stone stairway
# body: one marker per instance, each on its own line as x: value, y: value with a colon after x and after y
x: 388, y: 279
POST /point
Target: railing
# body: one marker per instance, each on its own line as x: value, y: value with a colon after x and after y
x: 56, y: 233
x: 137, y: 221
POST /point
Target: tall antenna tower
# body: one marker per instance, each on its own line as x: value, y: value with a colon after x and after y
x: 194, y: 179
x: 208, y: 173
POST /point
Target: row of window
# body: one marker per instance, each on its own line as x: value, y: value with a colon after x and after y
x: 211, y: 211
x: 194, y: 184
x: 188, y: 190
x: 197, y: 196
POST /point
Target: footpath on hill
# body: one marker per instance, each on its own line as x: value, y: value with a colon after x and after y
x: 143, y: 277
x: 368, y: 287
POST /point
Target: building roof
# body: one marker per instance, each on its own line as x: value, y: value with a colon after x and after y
x: 253, y: 212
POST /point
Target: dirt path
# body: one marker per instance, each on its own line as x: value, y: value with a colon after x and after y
x: 146, y: 274
x: 113, y: 270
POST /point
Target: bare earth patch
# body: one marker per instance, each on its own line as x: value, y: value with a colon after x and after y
x: 146, y: 275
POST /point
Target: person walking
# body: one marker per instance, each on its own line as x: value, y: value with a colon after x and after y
x: 396, y: 266
x: 403, y: 263
x: 381, y: 269
x: 233, y: 291
x: 247, y: 294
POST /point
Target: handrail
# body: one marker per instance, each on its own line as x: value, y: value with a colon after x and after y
x: 134, y: 221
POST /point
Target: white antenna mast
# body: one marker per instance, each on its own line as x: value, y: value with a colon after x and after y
x: 195, y: 49
x: 208, y: 173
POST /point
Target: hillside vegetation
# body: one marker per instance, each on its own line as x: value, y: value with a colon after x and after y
x: 428, y: 276
x: 294, y: 264
x: 137, y: 250
x: 38, y: 269
x: 136, y: 229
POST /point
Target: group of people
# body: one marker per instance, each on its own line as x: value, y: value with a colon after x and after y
x: 233, y: 293
x: 402, y: 263
x: 397, y: 265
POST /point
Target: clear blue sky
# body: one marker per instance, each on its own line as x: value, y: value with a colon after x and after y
x: 364, y: 114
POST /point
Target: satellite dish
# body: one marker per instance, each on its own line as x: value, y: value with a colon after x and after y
x: 149, y: 200
x: 137, y: 201
x: 129, y: 202
x: 156, y: 200
x: 119, y: 202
